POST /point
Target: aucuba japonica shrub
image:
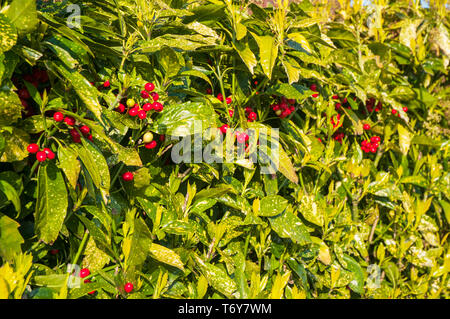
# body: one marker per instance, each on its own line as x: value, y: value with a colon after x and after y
x: 93, y: 205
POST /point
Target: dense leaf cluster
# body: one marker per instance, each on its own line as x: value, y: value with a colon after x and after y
x: 359, y: 206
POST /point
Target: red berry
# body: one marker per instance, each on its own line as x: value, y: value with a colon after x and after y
x: 405, y: 109
x: 69, y: 120
x: 158, y: 107
x: 85, y: 129
x: 155, y: 96
x: 252, y: 116
x: 313, y: 87
x: 76, y: 139
x: 74, y: 133
x: 373, y: 149
x: 228, y: 100
x: 127, y: 176
x: 344, y: 100
x: 84, y: 273
x: 24, y: 94
x: 133, y: 111
x: 319, y: 139
x: 275, y: 107
x: 335, y: 97
x: 54, y: 251
x: 224, y: 128
x: 106, y: 84
x: 149, y: 87
x: 128, y: 287
x: 241, y: 138
x: 147, y: 107
x: 248, y: 109
x: 90, y: 138
x: 142, y: 114
x: 41, y: 156
x: 49, y: 153
x: 144, y: 94
x: 220, y: 97
x: 394, y: 111
x: 291, y: 101
x: 292, y: 108
x: 315, y: 95
x: 150, y: 145
x: 337, y: 106
x: 375, y: 139
x: 231, y: 112
x: 366, y: 127
x: 58, y: 116
x: 33, y: 148
x: 121, y: 108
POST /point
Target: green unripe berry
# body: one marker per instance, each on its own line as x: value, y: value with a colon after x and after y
x: 131, y: 102
x: 148, y: 137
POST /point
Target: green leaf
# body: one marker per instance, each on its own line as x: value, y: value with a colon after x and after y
x: 102, y: 241
x: 16, y: 143
x: 69, y: 163
x: 404, y: 139
x: 94, y: 161
x: 87, y: 93
x: 51, y: 203
x: 94, y: 258
x: 169, y: 61
x: 217, y: 278
x: 246, y: 54
x: 11, y: 194
x: 341, y: 36
x: 290, y: 91
x: 272, y: 205
x: 10, y: 109
x: 166, y: 255
x: 268, y: 51
x: 292, y: 69
x: 141, y: 243
x: 10, y: 238
x: 357, y: 284
x: 23, y: 15
x: 8, y: 34
x: 300, y: 39
x: 129, y: 156
x: 179, y: 119
x: 279, y: 160
x: 198, y: 74
x: 287, y: 225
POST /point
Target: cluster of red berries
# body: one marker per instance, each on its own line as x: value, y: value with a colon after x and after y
x: 251, y: 115
x: 336, y: 120
x: 136, y: 110
x: 149, y: 142
x: 41, y: 156
x: 394, y: 111
x: 338, y: 136
x: 128, y: 287
x: 84, y: 273
x: 228, y: 100
x: 371, y: 146
x: 284, y: 108
x: 70, y: 121
x: 370, y: 104
x: 313, y: 87
x: 37, y: 77
x: 341, y: 102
